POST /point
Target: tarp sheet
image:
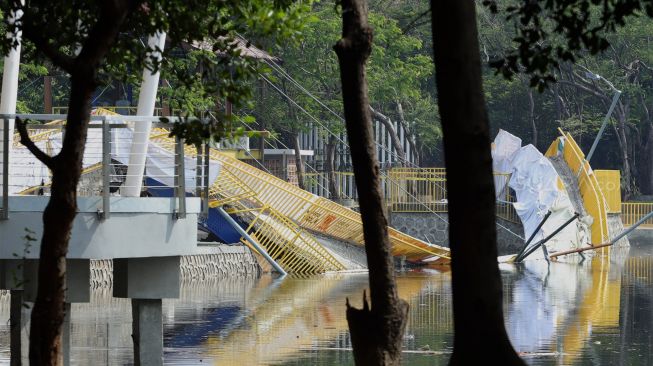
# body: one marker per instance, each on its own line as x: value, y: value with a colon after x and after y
x: 538, y: 189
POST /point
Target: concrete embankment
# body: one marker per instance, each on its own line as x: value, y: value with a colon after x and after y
x: 223, y: 261
x: 434, y: 228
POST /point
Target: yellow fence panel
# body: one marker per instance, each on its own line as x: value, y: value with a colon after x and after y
x: 610, y: 183
x: 631, y: 212
x: 424, y: 190
x: 417, y: 190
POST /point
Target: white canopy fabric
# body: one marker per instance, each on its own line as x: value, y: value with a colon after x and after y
x: 538, y: 189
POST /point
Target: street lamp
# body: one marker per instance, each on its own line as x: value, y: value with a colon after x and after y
x: 615, y: 98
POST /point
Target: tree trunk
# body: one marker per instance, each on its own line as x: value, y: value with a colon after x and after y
x: 49, y: 309
x: 376, y: 331
x: 647, y: 169
x: 334, y: 192
x: 48, y: 312
x: 394, y: 137
x: 47, y: 94
x: 299, y: 161
x: 531, y: 115
x: 557, y: 103
x: 479, y: 334
x: 626, y: 173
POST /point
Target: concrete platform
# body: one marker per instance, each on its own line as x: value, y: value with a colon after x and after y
x: 138, y: 227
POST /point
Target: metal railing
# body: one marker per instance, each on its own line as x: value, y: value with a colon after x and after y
x: 631, y: 212
x: 424, y: 190
x: 128, y: 110
x: 417, y: 190
x: 318, y: 214
x: 106, y: 161
x: 318, y: 183
x: 293, y: 248
x: 131, y: 110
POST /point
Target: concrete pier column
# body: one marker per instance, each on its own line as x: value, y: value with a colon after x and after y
x: 146, y: 281
x: 147, y: 331
x: 14, y: 274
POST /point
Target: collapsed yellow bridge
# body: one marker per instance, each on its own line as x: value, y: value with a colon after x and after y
x: 282, y: 216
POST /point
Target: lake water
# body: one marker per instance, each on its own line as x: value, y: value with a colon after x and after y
x: 595, y: 313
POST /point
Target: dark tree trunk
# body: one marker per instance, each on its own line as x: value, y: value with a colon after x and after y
x: 47, y: 94
x: 299, y: 161
x: 48, y: 312
x: 626, y: 173
x: 479, y: 334
x: 558, y: 103
x: 394, y: 137
x: 334, y: 192
x: 376, y: 331
x: 647, y: 169
x: 49, y: 309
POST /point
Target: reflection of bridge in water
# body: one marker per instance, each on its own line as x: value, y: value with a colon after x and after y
x: 259, y: 321
x: 301, y: 315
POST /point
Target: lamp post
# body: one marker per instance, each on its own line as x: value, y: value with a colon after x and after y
x: 615, y: 99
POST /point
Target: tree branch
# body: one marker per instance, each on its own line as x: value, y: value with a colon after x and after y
x: 585, y: 89
x: 31, y: 146
x: 105, y: 30
x: 417, y: 21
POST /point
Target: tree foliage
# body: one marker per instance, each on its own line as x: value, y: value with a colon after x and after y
x: 399, y: 72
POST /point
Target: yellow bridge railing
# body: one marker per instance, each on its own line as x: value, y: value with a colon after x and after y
x: 319, y: 214
x: 424, y: 190
x: 590, y: 190
x: 631, y: 212
x: 293, y: 248
x: 610, y: 184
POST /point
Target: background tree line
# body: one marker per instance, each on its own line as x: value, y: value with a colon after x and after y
x: 402, y: 88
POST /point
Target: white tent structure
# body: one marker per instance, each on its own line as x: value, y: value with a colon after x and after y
x: 539, y: 189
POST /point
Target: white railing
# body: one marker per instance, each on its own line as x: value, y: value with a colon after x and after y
x: 105, y: 162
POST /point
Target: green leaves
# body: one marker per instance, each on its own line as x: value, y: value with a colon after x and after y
x: 555, y: 31
x: 204, y: 63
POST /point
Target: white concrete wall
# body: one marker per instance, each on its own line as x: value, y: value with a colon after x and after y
x: 138, y: 227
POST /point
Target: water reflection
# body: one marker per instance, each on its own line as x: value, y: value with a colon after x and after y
x: 556, y: 309
x: 598, y: 311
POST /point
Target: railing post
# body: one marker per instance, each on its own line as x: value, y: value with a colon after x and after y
x: 106, y: 169
x: 5, y: 169
x: 180, y: 180
x: 198, y: 172
x: 207, y: 157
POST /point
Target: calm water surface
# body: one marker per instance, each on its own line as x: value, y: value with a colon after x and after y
x: 595, y: 313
